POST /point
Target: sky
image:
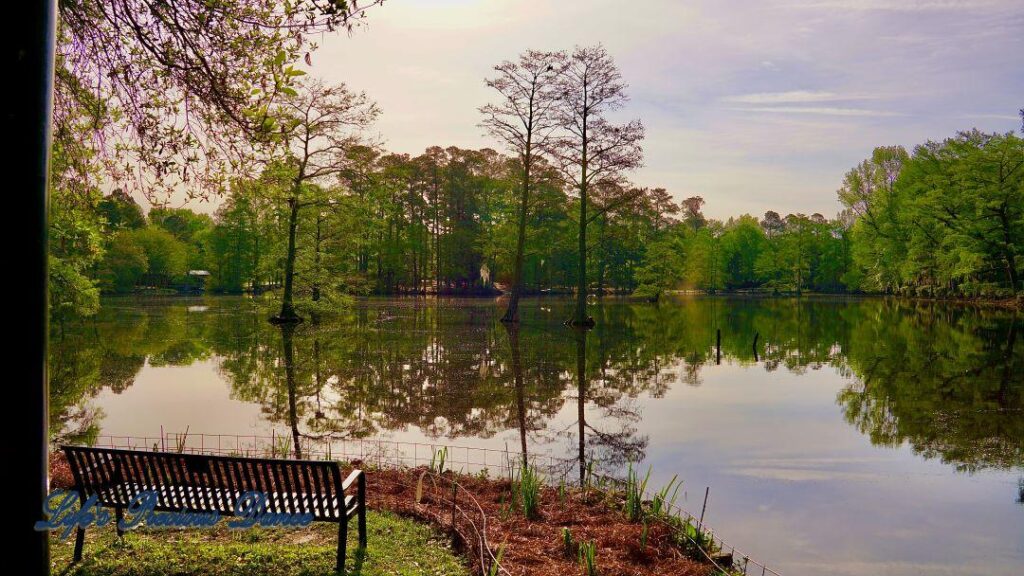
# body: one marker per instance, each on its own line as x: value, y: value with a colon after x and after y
x: 754, y: 105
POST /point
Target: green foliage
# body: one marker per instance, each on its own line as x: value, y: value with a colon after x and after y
x: 526, y: 489
x: 588, y: 558
x: 568, y: 544
x: 662, y: 266
x: 635, y: 489
x: 149, y: 255
x: 121, y: 212
x: 76, y: 232
x: 947, y: 220
x: 190, y: 228
x: 166, y: 256
x: 742, y: 243
x: 495, y: 568
x: 665, y: 499
x: 124, y: 264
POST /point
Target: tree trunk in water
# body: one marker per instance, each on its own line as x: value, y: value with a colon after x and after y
x: 287, y: 313
x: 517, y: 374
x: 288, y: 348
x: 512, y: 313
x: 1008, y: 371
x: 581, y: 401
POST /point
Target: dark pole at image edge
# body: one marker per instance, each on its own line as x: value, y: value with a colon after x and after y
x: 30, y: 54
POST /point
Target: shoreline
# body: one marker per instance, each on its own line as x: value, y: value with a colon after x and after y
x: 1006, y: 303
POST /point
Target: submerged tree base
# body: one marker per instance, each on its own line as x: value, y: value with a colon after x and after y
x: 588, y: 322
x: 283, y: 319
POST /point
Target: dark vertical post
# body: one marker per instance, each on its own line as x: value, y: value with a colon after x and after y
x: 704, y: 508
x: 29, y: 53
x: 718, y: 346
x: 362, y: 510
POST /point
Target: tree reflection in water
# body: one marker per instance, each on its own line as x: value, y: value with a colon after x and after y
x: 943, y: 378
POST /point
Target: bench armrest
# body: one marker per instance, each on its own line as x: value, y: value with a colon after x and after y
x: 354, y: 476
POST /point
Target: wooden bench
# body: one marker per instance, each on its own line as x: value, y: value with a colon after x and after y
x: 207, y: 483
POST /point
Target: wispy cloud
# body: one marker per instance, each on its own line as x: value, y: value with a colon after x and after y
x: 791, y: 97
x: 818, y: 110
x: 990, y: 116
x: 904, y: 5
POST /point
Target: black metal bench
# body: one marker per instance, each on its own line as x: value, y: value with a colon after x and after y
x: 208, y: 483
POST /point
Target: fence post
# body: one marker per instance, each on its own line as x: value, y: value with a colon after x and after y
x: 455, y: 495
x: 705, y: 507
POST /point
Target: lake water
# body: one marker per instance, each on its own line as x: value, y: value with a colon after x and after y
x: 859, y: 437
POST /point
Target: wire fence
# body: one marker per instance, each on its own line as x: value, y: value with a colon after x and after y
x: 443, y: 501
x: 726, y: 558
x: 465, y: 516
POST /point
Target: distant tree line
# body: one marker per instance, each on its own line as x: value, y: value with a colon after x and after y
x: 946, y: 220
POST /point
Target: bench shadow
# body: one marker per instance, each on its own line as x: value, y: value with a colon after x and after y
x: 358, y: 558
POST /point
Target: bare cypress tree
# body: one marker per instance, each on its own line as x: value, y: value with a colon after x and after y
x: 524, y: 121
x: 590, y: 148
x: 319, y: 125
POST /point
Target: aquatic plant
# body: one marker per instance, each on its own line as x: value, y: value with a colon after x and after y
x: 665, y: 498
x: 635, y: 490
x: 568, y: 545
x: 588, y: 558
x: 526, y: 490
x: 495, y: 568
x: 437, y: 460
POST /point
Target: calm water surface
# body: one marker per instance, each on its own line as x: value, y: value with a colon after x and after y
x: 861, y: 437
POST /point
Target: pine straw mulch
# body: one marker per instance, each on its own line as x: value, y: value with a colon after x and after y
x: 535, y: 547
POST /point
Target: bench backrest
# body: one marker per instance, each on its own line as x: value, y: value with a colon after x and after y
x: 205, y: 482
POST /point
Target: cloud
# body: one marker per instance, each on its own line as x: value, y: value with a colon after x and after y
x: 791, y: 97
x: 905, y: 5
x: 990, y: 116
x: 819, y: 110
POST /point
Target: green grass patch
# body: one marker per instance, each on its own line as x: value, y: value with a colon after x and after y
x: 397, y: 547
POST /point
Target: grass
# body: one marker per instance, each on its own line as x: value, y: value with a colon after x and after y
x: 397, y: 547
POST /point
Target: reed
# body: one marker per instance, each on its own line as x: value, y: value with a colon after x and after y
x: 588, y: 558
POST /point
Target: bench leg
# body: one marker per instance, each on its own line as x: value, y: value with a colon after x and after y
x: 79, y: 543
x: 362, y: 526
x: 342, y: 542
x: 118, y: 517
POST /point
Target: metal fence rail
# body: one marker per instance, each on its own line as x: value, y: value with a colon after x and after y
x: 468, y: 519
